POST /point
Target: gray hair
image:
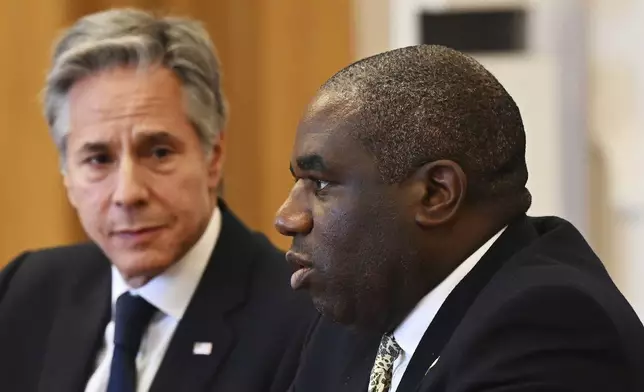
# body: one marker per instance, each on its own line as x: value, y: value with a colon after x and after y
x: 132, y: 37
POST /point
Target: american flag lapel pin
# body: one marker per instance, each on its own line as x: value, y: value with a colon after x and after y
x: 202, y: 348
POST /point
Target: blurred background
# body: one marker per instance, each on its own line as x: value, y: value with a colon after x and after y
x: 575, y: 68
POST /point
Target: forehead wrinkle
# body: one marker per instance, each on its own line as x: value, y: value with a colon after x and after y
x: 126, y: 96
x: 125, y: 105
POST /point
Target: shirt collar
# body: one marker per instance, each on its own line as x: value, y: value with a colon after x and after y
x: 171, y: 291
x: 411, y: 330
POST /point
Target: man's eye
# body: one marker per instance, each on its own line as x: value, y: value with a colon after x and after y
x: 320, y: 185
x: 161, y: 152
x: 98, y: 159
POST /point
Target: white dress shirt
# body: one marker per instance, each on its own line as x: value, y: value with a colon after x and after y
x: 170, y: 292
x: 411, y: 330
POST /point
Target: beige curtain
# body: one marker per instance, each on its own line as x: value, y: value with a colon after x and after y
x: 275, y: 54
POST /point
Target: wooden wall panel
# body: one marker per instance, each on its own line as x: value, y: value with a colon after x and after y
x: 33, y: 207
x: 302, y: 44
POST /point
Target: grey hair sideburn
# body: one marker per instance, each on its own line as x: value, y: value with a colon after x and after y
x: 124, y: 37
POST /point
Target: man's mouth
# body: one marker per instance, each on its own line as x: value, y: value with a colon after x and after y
x: 137, y: 235
x: 303, y: 267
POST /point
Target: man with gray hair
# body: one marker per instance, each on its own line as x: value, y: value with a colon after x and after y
x: 173, y: 293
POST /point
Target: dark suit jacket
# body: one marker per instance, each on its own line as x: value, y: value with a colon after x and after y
x: 538, y: 313
x: 55, y: 304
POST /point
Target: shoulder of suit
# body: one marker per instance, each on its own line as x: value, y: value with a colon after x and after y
x: 547, y: 286
x: 266, y: 247
x: 242, y: 236
x: 51, y: 263
x: 534, y: 273
x: 270, y: 261
x: 559, y: 253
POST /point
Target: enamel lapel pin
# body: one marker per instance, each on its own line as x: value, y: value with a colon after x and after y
x: 202, y: 348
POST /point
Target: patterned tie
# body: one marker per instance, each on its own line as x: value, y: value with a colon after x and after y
x: 132, y: 316
x: 381, y: 373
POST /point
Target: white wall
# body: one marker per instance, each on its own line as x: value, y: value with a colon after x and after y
x: 617, y: 124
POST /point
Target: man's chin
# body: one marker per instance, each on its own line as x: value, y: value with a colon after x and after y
x: 350, y: 315
x: 336, y: 310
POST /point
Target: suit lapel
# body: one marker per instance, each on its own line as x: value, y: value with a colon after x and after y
x: 207, y: 318
x: 517, y: 236
x: 77, y: 332
x: 359, y: 361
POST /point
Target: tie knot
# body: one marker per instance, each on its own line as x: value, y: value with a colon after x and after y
x: 389, y: 348
x: 133, y: 314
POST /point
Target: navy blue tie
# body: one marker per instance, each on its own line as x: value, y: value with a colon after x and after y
x: 133, y: 314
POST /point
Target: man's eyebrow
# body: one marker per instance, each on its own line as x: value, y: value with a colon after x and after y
x: 93, y: 147
x: 148, y: 137
x: 311, y: 162
x: 157, y: 137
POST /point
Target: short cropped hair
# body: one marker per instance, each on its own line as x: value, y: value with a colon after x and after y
x: 424, y: 103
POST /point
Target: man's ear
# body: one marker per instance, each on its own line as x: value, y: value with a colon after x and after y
x: 216, y: 164
x: 443, y: 185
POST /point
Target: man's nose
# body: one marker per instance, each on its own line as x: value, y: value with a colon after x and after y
x: 293, y: 218
x: 130, y: 190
